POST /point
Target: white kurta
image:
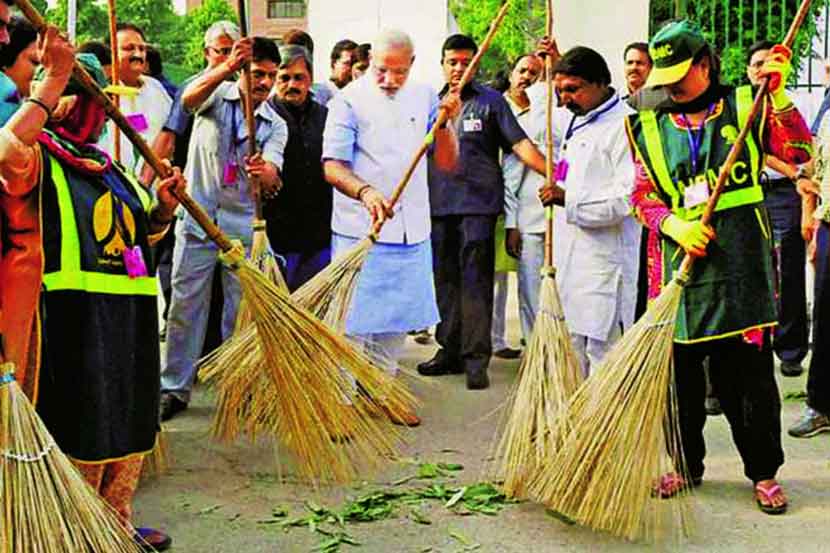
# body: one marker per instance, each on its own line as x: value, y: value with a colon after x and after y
x: 596, y: 239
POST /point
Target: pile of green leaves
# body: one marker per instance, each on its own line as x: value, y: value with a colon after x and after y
x: 480, y: 498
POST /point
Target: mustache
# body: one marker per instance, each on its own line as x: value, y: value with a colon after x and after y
x: 136, y: 58
x: 293, y: 91
x: 261, y: 89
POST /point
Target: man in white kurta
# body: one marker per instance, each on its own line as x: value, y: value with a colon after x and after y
x: 374, y: 127
x: 596, y: 240
x: 146, y: 107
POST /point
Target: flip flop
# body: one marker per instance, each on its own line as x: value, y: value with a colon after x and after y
x: 672, y: 483
x: 769, y: 493
x: 151, y: 539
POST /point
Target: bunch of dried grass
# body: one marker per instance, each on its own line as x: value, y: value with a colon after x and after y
x: 158, y: 461
x: 620, y: 435
x: 549, y: 374
x: 294, y: 382
x: 47, y: 506
x: 262, y: 257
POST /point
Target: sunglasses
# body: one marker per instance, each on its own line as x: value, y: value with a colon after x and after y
x: 224, y: 51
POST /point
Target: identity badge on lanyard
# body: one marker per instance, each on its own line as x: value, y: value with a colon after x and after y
x: 697, y: 192
x: 561, y: 171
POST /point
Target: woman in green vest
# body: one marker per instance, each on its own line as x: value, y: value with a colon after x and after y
x: 77, y: 280
x: 728, y: 310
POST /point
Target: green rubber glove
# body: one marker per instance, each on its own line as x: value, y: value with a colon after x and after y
x: 777, y: 69
x: 692, y: 236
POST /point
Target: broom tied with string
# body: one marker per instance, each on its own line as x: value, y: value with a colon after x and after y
x: 623, y: 433
x: 305, y: 357
x: 549, y: 372
x: 243, y: 406
x: 47, y: 506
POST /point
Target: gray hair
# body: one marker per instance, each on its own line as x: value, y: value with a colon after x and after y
x: 392, y: 39
x: 290, y: 53
x: 220, y: 29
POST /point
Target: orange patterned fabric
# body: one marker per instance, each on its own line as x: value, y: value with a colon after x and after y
x: 116, y: 482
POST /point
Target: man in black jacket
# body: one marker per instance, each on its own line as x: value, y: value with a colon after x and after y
x: 299, y: 218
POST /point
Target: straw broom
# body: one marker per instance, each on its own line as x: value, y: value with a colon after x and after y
x: 549, y: 372
x: 305, y: 358
x: 624, y: 432
x: 261, y: 255
x: 47, y: 505
x: 328, y: 295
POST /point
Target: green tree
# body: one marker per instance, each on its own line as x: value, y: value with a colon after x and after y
x: 92, y: 20
x: 522, y: 27
x: 734, y: 25
x: 198, y: 22
x: 161, y: 25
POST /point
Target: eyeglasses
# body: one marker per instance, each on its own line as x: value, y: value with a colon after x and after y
x: 223, y: 51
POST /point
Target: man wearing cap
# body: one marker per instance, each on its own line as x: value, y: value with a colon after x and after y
x: 727, y: 310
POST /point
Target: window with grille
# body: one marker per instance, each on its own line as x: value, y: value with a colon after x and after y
x: 278, y: 9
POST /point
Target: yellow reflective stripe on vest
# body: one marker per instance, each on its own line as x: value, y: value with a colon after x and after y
x: 654, y: 145
x: 728, y: 199
x: 743, y: 95
x: 70, y: 276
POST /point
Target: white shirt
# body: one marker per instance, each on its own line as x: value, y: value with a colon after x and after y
x: 378, y: 136
x: 522, y: 208
x: 596, y: 241
x: 154, y: 103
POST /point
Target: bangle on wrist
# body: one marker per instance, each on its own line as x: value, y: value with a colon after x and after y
x: 362, y: 190
x: 41, y: 104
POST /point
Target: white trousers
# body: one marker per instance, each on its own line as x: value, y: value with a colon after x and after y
x: 590, y: 352
x: 498, y: 330
x: 530, y: 264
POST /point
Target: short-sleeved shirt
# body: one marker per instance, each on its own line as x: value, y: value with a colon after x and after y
x: 180, y: 123
x: 377, y: 136
x: 218, y: 147
x: 485, y: 127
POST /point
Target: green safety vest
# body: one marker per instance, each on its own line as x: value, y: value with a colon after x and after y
x: 731, y: 289
x: 81, y: 252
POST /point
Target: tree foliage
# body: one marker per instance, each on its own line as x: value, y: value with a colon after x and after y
x: 522, y: 27
x: 198, y: 22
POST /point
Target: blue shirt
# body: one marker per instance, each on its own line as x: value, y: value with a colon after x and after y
x: 377, y: 136
x: 485, y: 127
x: 9, y: 98
x: 216, y: 169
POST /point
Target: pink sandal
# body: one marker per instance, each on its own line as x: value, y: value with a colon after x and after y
x: 768, y: 494
x: 671, y: 484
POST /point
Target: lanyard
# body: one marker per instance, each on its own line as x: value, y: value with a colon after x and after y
x: 696, y: 139
x: 594, y: 116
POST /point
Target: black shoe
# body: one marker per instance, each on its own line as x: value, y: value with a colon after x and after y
x: 508, y: 353
x: 170, y: 406
x: 477, y: 379
x: 791, y: 368
x: 439, y: 366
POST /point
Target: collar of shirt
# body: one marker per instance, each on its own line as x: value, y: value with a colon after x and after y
x: 517, y: 110
x: 597, y: 113
x: 472, y: 89
x: 263, y: 110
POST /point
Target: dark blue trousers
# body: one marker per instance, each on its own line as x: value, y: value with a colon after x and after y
x: 818, y: 381
x: 300, y: 267
x: 784, y: 205
x: 463, y: 250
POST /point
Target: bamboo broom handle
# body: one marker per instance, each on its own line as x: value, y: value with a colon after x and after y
x: 88, y: 83
x: 549, y: 136
x: 737, y: 147
x: 247, y: 104
x: 442, y: 114
x: 114, y: 77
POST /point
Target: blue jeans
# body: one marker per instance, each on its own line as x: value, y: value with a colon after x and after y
x: 818, y: 380
x: 194, y: 260
x: 784, y: 205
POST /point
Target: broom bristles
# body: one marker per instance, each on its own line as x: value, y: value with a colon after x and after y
x: 158, y: 461
x: 264, y: 259
x: 48, y: 507
x: 549, y: 374
x: 622, y: 436
x: 291, y: 382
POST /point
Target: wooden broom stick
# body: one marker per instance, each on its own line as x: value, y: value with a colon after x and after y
x: 443, y: 116
x: 88, y: 83
x: 116, y: 151
x: 549, y: 135
x: 738, y: 146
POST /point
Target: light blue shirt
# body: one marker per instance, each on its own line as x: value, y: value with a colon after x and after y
x: 219, y: 140
x: 378, y: 136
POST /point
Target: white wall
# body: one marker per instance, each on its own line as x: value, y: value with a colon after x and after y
x: 428, y: 22
x: 607, y: 26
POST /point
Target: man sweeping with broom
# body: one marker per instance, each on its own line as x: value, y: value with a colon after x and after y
x: 727, y: 309
x: 82, y: 230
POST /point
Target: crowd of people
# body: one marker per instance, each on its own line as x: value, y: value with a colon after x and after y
x: 88, y: 233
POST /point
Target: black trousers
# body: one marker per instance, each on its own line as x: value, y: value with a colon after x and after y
x: 784, y: 206
x: 742, y: 379
x: 463, y: 253
x: 818, y: 380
